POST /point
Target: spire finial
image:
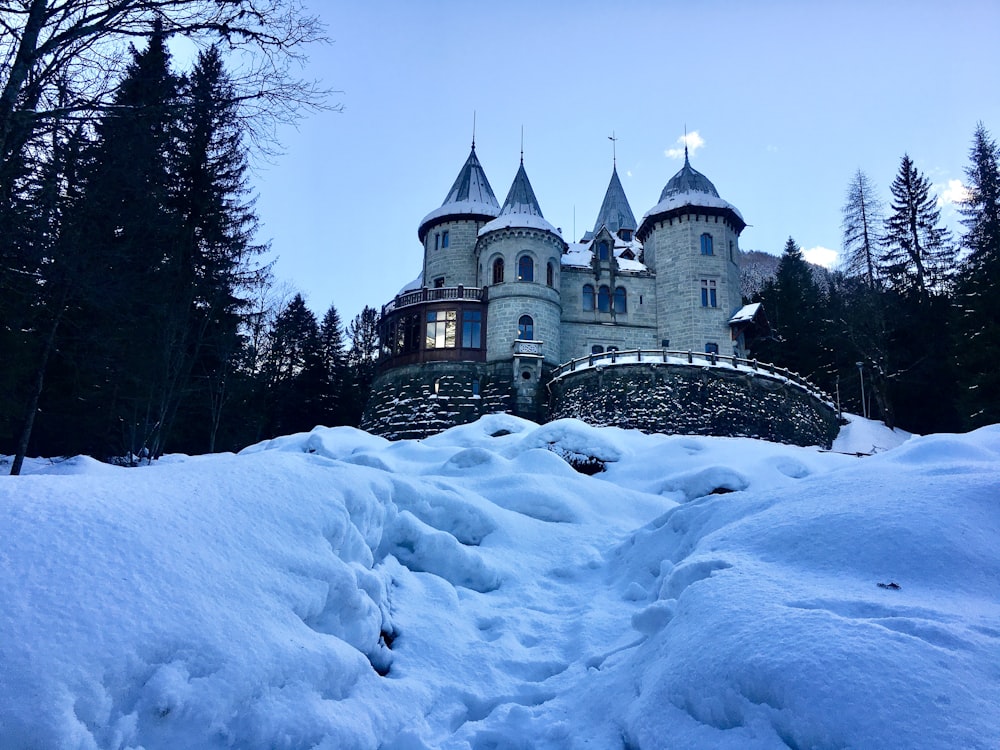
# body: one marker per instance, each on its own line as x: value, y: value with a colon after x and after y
x: 686, y: 162
x: 473, y: 130
x: 522, y: 145
x: 614, y: 150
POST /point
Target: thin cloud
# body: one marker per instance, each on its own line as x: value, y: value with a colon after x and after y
x: 952, y: 192
x: 692, y: 140
x: 821, y: 256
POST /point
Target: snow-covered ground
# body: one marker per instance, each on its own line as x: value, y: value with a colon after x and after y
x: 472, y: 590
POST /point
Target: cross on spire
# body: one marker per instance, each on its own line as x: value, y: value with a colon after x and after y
x: 614, y: 149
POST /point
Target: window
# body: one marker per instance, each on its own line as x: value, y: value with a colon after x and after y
x: 526, y: 328
x: 620, y: 302
x: 525, y: 269
x: 437, y: 241
x: 439, y: 282
x: 604, y: 299
x: 588, y: 297
x: 706, y: 244
x: 612, y: 348
x: 550, y: 273
x: 472, y: 329
x: 731, y: 252
x: 597, y: 349
x: 442, y: 328
x: 711, y: 348
x: 498, y: 271
x: 708, y: 297
x: 475, y: 386
x: 626, y: 235
x: 602, y: 250
x: 444, y: 239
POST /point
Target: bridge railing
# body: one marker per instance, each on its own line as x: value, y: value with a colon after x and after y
x: 689, y: 359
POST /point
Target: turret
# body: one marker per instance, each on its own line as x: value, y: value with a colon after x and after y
x: 691, y: 241
x: 448, y: 233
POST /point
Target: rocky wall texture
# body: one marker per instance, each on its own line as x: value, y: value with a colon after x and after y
x: 415, y: 401
x: 677, y: 399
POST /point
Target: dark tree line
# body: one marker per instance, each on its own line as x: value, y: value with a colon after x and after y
x: 913, y: 316
x: 131, y: 319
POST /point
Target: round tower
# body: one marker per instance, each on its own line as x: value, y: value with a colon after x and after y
x: 519, y: 256
x: 449, y: 232
x: 691, y: 241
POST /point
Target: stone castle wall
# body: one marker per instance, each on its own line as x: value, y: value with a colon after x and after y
x: 678, y: 399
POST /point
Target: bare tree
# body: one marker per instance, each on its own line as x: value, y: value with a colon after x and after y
x: 79, y: 45
x: 862, y: 221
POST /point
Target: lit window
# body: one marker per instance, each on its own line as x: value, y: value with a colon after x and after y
x: 526, y: 328
x: 444, y: 239
x: 525, y: 269
x: 472, y: 329
x: 550, y: 273
x: 620, y: 302
x: 588, y: 297
x: 708, y: 296
x: 711, y: 348
x: 442, y: 328
x: 498, y: 271
x: 602, y: 250
x: 706, y: 244
x: 604, y: 299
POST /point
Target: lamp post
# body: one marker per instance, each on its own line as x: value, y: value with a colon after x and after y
x: 864, y: 408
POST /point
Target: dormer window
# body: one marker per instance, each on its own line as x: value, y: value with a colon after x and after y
x: 626, y: 235
x: 602, y: 250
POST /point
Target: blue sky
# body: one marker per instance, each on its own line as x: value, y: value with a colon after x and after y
x: 787, y: 100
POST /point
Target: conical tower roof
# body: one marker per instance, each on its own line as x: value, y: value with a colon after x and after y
x: 688, y: 188
x: 615, y: 213
x: 470, y: 195
x: 520, y: 209
x: 688, y: 180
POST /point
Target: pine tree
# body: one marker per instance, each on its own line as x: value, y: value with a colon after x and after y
x: 862, y: 217
x: 331, y: 338
x: 362, y: 359
x: 794, y: 304
x: 918, y: 255
x: 978, y: 287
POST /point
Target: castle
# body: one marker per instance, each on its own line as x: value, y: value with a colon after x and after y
x: 504, y: 307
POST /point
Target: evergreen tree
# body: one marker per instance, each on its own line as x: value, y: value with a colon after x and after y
x: 362, y: 359
x: 918, y: 255
x: 795, y: 308
x: 331, y: 337
x: 862, y: 217
x: 978, y: 287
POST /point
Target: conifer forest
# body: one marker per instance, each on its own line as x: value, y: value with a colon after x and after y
x: 137, y: 315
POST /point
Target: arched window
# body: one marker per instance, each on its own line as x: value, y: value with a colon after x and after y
x: 706, y: 244
x: 603, y: 299
x: 620, y: 302
x: 597, y: 349
x: 526, y: 328
x: 550, y: 273
x: 525, y: 268
x: 498, y: 271
x: 602, y: 250
x: 588, y: 297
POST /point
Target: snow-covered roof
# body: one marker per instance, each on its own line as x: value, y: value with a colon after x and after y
x: 471, y: 194
x: 615, y: 213
x: 693, y: 198
x: 413, y: 285
x: 581, y: 255
x: 520, y: 209
x: 689, y: 187
x: 745, y: 314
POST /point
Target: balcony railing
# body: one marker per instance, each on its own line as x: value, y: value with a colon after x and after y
x: 425, y: 294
